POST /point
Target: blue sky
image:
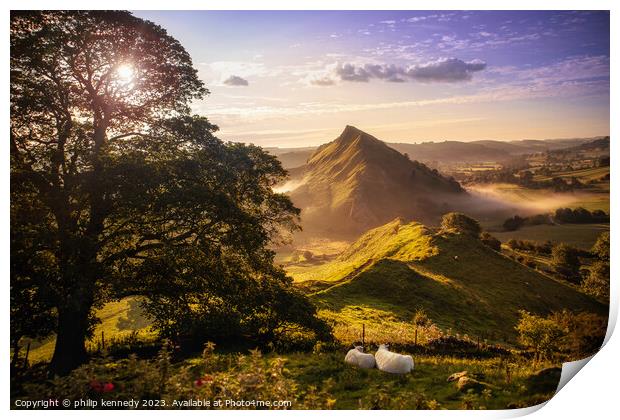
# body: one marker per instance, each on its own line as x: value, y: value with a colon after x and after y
x: 296, y: 78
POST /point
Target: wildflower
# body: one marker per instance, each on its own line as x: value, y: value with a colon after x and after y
x: 204, y: 379
x: 96, y: 386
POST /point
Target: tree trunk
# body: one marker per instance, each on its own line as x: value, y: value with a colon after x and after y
x: 70, y: 350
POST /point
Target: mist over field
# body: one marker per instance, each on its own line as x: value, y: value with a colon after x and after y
x: 524, y: 201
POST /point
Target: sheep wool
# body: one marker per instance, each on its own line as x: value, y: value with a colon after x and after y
x: 357, y: 357
x: 393, y: 362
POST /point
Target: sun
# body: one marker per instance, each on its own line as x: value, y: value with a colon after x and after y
x: 125, y: 73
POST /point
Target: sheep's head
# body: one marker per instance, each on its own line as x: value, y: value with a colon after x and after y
x: 383, y: 347
x: 359, y: 348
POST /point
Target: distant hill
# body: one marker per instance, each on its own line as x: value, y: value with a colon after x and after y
x: 462, y: 284
x: 292, y: 157
x: 601, y: 144
x: 450, y: 151
x: 356, y: 182
x: 522, y: 147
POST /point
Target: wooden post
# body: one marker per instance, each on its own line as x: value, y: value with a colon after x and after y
x: 15, y: 358
x: 27, y: 353
x: 363, y: 337
x: 102, y: 341
x: 415, y: 340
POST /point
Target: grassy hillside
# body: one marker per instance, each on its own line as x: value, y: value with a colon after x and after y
x: 458, y: 281
x: 356, y: 182
x: 118, y: 319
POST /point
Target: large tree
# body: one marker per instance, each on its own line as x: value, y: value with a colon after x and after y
x: 115, y: 188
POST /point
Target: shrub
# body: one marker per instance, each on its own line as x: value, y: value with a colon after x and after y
x: 544, y: 248
x: 601, y: 247
x: 213, y: 378
x: 565, y: 260
x: 383, y: 398
x: 539, y: 334
x: 460, y: 223
x: 585, y: 333
x: 491, y: 241
x: 597, y: 281
x: 513, y: 223
x: 538, y: 219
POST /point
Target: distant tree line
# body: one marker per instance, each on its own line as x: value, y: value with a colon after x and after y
x: 580, y: 215
x: 561, y: 215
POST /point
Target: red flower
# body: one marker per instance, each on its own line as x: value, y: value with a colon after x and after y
x: 201, y: 381
x: 96, y: 386
x: 108, y: 387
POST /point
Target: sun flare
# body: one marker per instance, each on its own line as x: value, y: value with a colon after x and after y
x: 125, y: 73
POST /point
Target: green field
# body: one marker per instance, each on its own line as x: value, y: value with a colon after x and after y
x: 578, y: 235
x: 584, y: 175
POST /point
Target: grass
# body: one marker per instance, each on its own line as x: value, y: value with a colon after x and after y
x: 578, y: 235
x: 393, y: 240
x: 352, y: 387
x: 319, y: 376
x: 391, y: 325
x: 462, y: 284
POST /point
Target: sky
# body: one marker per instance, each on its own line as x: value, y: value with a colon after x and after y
x: 296, y: 78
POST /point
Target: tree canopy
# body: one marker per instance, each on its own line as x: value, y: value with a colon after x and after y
x: 117, y: 190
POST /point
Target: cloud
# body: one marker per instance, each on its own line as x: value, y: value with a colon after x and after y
x: 236, y: 81
x: 322, y: 81
x: 352, y: 73
x: 446, y: 70
x: 442, y: 70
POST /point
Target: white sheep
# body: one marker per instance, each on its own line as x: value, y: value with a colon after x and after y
x: 357, y: 357
x: 393, y: 362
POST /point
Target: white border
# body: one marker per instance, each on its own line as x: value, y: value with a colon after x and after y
x: 592, y: 395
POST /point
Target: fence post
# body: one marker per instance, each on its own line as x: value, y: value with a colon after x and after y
x: 27, y: 353
x: 102, y: 341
